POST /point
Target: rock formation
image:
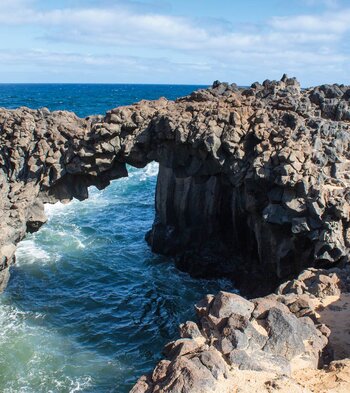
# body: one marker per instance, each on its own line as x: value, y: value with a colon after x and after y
x: 252, y: 182
x: 274, y: 343
x: 253, y: 185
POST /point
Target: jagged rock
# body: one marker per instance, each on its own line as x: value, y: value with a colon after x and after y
x: 265, y: 304
x: 320, y: 283
x: 287, y: 335
x: 253, y: 185
x: 225, y: 304
x: 274, y: 347
x: 205, y: 372
x: 190, y: 330
x: 263, y: 169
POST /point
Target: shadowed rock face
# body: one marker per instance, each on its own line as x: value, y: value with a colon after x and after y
x: 253, y: 183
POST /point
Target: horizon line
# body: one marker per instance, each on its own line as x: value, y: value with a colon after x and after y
x: 107, y: 83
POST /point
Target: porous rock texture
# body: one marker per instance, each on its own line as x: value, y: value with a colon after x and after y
x: 275, y: 343
x: 253, y: 183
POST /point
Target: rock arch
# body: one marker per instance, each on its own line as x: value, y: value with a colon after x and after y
x: 253, y: 183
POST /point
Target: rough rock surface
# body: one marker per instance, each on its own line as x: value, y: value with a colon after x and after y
x: 274, y: 343
x: 252, y: 183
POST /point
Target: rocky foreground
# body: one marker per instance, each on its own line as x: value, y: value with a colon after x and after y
x: 253, y: 185
x: 296, y: 340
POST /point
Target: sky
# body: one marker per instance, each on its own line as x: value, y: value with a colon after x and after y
x: 174, y: 41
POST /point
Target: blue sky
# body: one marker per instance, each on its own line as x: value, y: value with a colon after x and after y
x: 174, y: 41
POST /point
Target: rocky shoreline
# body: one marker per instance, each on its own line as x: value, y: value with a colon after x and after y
x: 253, y: 185
x: 288, y: 341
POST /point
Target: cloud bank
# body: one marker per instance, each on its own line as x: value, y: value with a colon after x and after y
x: 132, y: 43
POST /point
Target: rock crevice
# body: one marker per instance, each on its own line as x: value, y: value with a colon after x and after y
x: 274, y: 343
x: 252, y: 183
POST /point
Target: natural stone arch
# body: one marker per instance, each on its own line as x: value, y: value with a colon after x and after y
x: 253, y: 182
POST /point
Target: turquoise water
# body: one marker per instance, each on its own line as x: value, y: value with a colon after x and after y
x: 89, y: 307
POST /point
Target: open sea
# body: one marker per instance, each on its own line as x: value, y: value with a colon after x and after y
x: 89, y: 307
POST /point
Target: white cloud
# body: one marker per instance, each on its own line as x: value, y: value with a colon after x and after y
x: 120, y: 26
x: 299, y: 43
x: 86, y: 63
x: 337, y: 22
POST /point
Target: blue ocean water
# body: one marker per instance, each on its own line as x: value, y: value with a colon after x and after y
x: 85, y: 99
x: 88, y: 307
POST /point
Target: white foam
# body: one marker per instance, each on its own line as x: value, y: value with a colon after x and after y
x: 52, y: 209
x: 46, y: 360
x: 151, y: 170
x: 29, y: 252
x: 10, y: 321
x: 13, y: 322
x: 81, y: 384
x: 80, y: 243
x: 96, y: 196
x: 69, y: 238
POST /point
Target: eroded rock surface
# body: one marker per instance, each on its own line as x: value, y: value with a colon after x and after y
x: 253, y: 182
x: 275, y: 343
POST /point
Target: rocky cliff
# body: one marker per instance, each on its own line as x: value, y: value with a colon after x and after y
x: 252, y: 182
x: 253, y: 185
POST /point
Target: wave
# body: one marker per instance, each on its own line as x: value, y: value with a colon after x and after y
x: 70, y: 319
x: 53, y: 209
x: 102, y: 198
x: 41, y: 355
x: 28, y: 251
x: 151, y: 170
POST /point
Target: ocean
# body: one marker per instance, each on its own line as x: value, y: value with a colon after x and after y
x: 89, y: 307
